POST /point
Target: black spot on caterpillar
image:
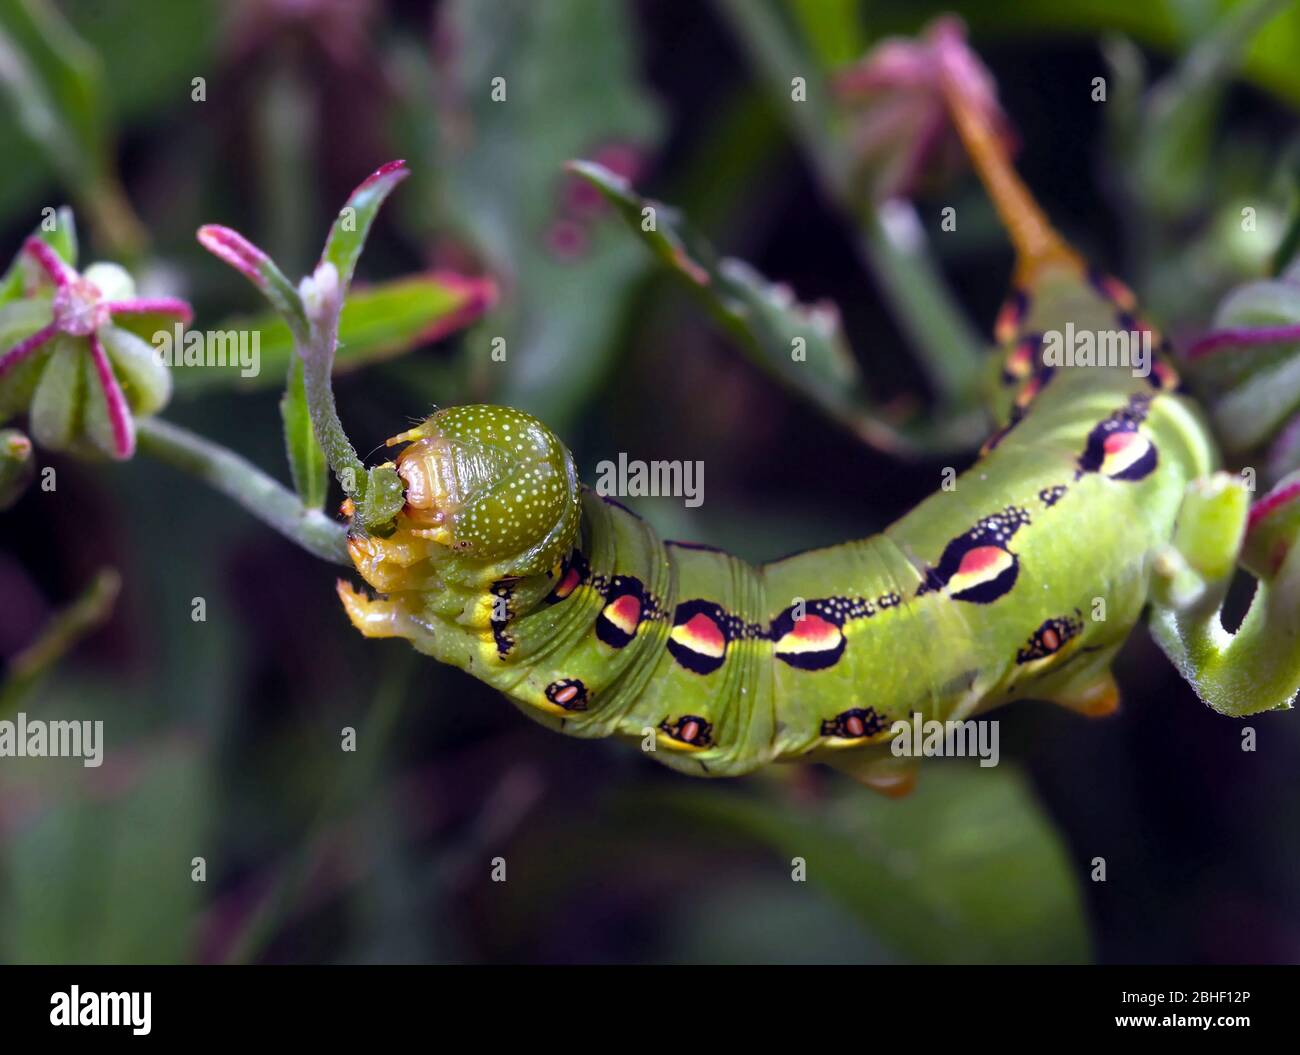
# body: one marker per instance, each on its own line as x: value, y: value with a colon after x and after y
x: 855, y: 724
x: 689, y: 730
x: 978, y: 567
x: 625, y: 605
x: 1050, y: 637
x: 1117, y: 448
x: 569, y: 693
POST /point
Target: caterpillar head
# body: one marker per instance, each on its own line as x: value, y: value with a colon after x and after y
x: 490, y: 487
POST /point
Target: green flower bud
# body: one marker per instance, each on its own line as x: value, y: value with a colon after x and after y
x: 17, y: 466
x: 69, y: 357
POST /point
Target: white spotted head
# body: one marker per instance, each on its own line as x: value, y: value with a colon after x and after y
x: 490, y: 483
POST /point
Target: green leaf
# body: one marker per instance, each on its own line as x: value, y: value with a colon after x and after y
x: 967, y: 869
x: 1247, y: 369
x: 254, y: 264
x: 833, y: 29
x: 347, y: 237
x: 62, y: 239
x: 306, y: 459
x: 55, y: 415
x: 802, y: 346
x: 55, y: 85
x: 146, y: 382
x: 101, y: 870
x: 379, y: 322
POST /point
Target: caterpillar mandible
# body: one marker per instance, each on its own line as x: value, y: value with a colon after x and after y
x: 503, y: 564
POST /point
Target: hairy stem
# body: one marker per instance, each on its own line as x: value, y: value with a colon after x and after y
x: 1238, y: 674
x: 266, y: 498
x: 316, y: 350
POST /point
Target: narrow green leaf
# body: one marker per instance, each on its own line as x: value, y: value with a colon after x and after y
x: 802, y: 346
x: 347, y: 238
x: 62, y: 238
x: 254, y: 264
x: 306, y: 459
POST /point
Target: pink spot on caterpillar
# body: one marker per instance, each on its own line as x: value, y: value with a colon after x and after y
x: 701, y: 634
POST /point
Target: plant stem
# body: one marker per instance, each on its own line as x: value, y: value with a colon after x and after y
x: 67, y: 627
x: 266, y: 498
x: 316, y: 353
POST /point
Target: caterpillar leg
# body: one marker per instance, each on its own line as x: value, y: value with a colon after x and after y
x: 1088, y: 689
x: 374, y: 618
x: 889, y: 775
x: 1257, y: 668
x: 383, y: 562
x: 1096, y: 698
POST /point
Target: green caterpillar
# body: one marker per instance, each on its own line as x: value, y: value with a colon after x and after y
x: 1021, y: 581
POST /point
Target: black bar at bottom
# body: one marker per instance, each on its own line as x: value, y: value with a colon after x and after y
x: 366, y: 1003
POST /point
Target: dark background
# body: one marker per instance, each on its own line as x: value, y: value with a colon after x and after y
x: 223, y: 736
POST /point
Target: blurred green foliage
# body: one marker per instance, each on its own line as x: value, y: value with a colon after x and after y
x: 965, y: 870
x: 223, y: 733
x: 494, y: 170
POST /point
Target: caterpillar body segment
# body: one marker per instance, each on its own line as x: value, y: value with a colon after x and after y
x: 983, y: 594
x: 1022, y: 581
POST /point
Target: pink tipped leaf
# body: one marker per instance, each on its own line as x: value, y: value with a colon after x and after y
x: 61, y: 236
x: 234, y: 249
x: 347, y: 238
x: 477, y: 295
